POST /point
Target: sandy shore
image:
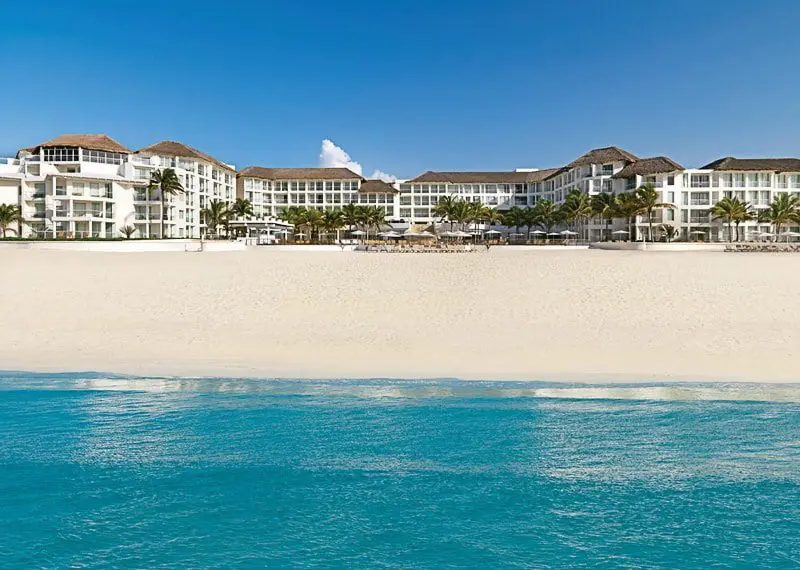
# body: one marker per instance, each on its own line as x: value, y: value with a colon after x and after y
x: 550, y: 315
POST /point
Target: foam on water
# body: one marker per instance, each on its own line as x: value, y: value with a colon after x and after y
x: 415, y: 389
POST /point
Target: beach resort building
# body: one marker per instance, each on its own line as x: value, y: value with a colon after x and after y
x: 71, y: 186
x: 272, y: 190
x: 81, y: 186
x: 500, y: 190
x: 204, y: 178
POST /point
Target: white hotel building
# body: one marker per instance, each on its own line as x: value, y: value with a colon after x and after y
x: 91, y: 186
x: 272, y: 190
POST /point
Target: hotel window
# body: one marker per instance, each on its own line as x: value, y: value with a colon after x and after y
x: 102, y: 157
x: 669, y: 215
x: 671, y: 197
x: 491, y: 188
x: 337, y: 186
x: 503, y: 187
x: 738, y: 180
x: 670, y: 180
x: 795, y: 180
x: 608, y: 169
x: 781, y: 181
x: 700, y: 181
x: 61, y: 154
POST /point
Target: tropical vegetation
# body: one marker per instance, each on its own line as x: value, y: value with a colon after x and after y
x: 166, y: 183
x: 9, y: 214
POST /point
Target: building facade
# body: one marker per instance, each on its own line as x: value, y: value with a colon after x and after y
x: 272, y: 190
x: 90, y: 186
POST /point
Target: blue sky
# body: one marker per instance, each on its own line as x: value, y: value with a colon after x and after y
x: 408, y: 86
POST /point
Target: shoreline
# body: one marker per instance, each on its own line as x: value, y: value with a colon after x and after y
x: 585, y: 316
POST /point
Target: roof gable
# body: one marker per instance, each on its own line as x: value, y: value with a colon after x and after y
x: 89, y: 142
x: 175, y: 148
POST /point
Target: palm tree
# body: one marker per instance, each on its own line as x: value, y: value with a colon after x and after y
x: 215, y: 214
x: 332, y: 221
x: 726, y: 210
x: 627, y: 206
x: 9, y: 214
x: 490, y: 216
x: 350, y: 215
x: 165, y: 182
x: 577, y: 208
x: 128, y: 231
x: 445, y: 209
x: 547, y: 215
x: 515, y: 217
x: 783, y: 210
x: 603, y: 206
x: 647, y: 195
x: 313, y: 220
x: 669, y: 232
x: 529, y: 219
x: 242, y: 209
x: 373, y: 217
x: 743, y: 213
x: 461, y: 212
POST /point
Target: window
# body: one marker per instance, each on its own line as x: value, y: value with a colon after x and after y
x: 102, y: 157
x: 670, y: 180
x: 669, y: 215
x: 608, y: 169
x: 738, y: 180
x: 700, y: 181
x: 671, y: 197
x: 61, y: 154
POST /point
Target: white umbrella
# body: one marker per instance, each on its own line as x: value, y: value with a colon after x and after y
x: 766, y: 234
x: 790, y: 234
x: 493, y: 232
x: 620, y: 232
x: 568, y: 233
x: 698, y: 233
x: 554, y: 234
x: 357, y: 233
x: 538, y: 232
x: 462, y: 234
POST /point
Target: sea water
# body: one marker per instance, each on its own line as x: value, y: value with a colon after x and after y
x: 100, y: 472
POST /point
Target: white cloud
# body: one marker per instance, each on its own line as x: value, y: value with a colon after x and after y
x: 385, y: 176
x: 332, y: 156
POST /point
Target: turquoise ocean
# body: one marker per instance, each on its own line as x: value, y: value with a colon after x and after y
x: 117, y: 472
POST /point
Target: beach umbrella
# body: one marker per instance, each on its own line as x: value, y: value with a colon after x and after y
x: 620, y: 232
x: 538, y: 232
x: 698, y: 233
x: 357, y: 233
x: 492, y: 232
x: 569, y: 233
x: 554, y: 234
x: 462, y: 234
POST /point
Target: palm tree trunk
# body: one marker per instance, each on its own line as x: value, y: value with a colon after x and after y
x: 650, y: 225
x: 162, y: 214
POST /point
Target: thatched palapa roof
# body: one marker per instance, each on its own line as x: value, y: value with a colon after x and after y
x: 89, y: 142
x: 649, y: 166
x: 298, y: 173
x: 178, y: 149
x: 769, y: 164
x: 603, y: 155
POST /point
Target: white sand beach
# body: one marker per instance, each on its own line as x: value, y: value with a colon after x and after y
x: 535, y: 315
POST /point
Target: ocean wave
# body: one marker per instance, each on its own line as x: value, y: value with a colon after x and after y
x: 391, y: 389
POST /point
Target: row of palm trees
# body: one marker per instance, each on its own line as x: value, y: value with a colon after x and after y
x: 784, y: 210
x: 576, y: 210
x: 351, y: 216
